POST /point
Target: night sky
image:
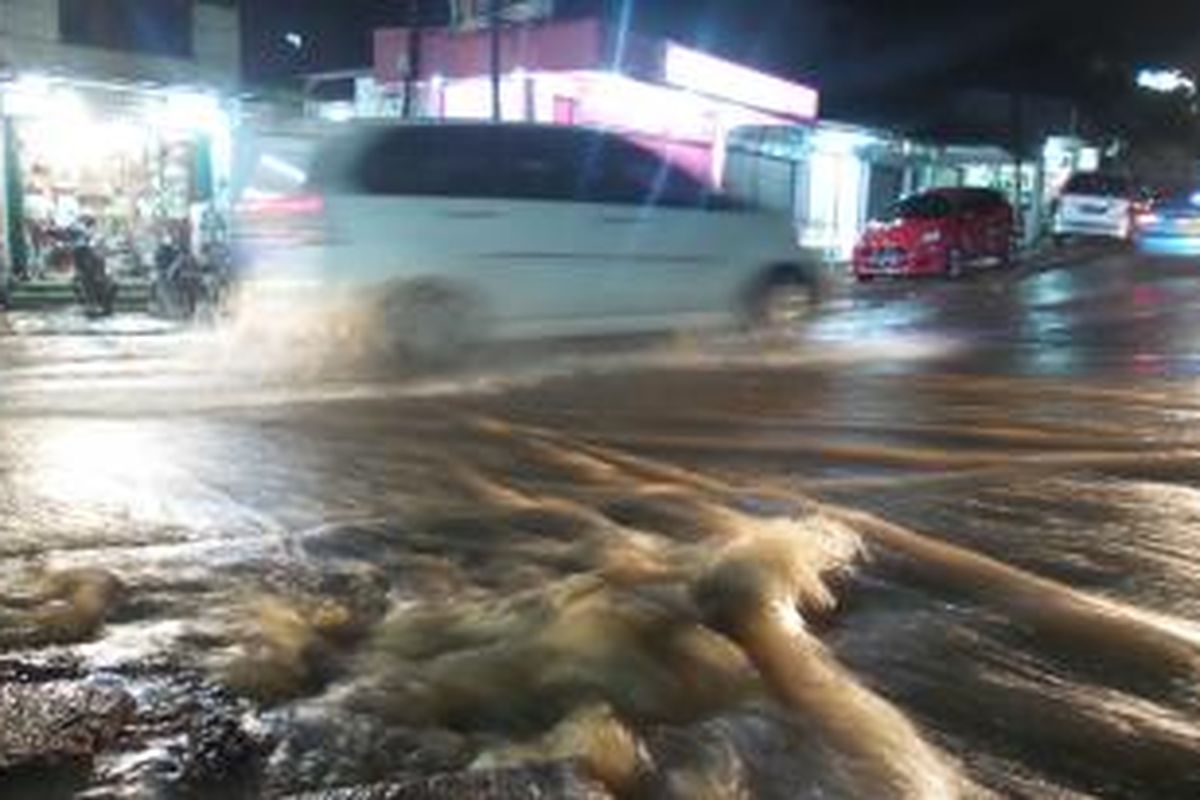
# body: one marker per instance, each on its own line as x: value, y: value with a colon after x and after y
x: 864, y: 54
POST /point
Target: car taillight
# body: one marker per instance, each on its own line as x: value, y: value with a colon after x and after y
x: 283, y: 221
x: 298, y: 205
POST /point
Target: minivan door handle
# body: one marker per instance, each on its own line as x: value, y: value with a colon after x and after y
x: 621, y: 220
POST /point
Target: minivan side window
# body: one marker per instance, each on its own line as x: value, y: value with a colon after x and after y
x: 541, y: 164
x: 591, y: 167
x: 523, y: 163
x: 444, y: 161
x: 628, y: 174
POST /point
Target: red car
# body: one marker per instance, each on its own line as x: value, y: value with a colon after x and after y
x: 939, y: 232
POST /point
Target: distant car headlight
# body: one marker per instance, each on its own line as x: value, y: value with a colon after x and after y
x: 931, y: 237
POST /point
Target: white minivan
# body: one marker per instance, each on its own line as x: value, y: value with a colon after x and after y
x: 447, y: 234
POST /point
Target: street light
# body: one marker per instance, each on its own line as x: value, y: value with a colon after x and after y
x: 1166, y: 81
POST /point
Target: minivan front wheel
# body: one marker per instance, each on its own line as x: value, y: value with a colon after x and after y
x: 430, y: 324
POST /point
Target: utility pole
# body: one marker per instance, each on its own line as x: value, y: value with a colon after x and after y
x: 1018, y: 152
x: 412, y: 69
x: 494, y: 29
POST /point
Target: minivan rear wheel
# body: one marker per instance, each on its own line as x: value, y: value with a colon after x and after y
x: 431, y: 324
x: 784, y: 300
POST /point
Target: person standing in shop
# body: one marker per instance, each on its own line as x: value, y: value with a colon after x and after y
x: 39, y: 224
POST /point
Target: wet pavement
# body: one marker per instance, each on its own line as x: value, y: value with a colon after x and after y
x: 944, y: 542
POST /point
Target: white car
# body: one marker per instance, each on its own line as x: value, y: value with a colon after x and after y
x: 453, y: 233
x: 1095, y: 204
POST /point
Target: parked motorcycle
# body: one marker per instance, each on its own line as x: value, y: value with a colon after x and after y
x: 188, y: 288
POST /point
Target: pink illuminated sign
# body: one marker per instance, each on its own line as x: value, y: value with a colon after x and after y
x: 705, y: 74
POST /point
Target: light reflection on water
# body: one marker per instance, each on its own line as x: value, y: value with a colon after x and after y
x: 125, y: 470
x: 545, y: 599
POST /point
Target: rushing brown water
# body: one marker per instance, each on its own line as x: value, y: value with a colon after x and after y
x: 688, y: 573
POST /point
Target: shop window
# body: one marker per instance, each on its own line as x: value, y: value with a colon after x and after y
x: 565, y: 109
x: 154, y: 27
x: 886, y: 187
x: 132, y: 182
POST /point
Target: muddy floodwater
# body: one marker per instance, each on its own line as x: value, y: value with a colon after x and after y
x: 943, y: 543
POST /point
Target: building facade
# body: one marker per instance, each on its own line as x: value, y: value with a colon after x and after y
x: 835, y: 177
x: 679, y: 101
x: 754, y: 135
x: 119, y: 112
x: 162, y: 41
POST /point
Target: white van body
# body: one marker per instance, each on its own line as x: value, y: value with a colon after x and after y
x: 526, y: 230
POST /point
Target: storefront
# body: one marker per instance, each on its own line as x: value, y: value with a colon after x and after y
x: 1064, y: 155
x: 1031, y: 185
x: 831, y: 177
x: 129, y: 164
x: 753, y: 134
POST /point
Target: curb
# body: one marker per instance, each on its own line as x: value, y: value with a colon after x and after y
x: 1040, y: 258
x: 1055, y: 257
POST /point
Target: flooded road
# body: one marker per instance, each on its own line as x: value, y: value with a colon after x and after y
x: 945, y: 543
